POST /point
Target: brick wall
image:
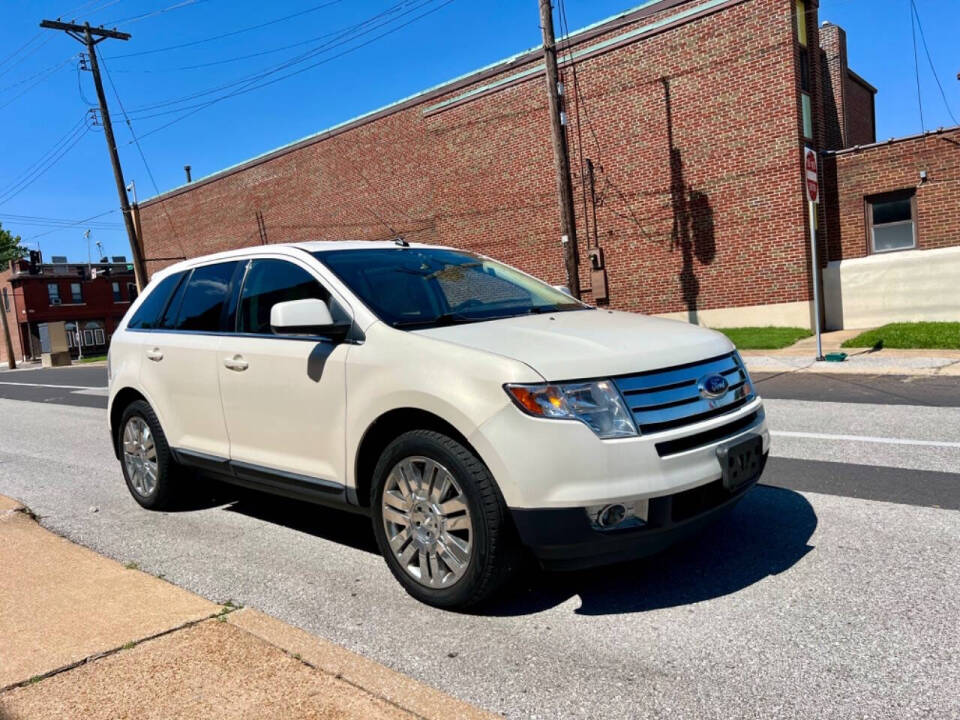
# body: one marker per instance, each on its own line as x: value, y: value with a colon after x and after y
x: 861, y: 125
x: 693, y: 130
x: 12, y: 310
x: 856, y: 174
x: 29, y: 302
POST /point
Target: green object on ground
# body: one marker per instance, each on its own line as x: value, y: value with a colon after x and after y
x: 764, y: 338
x: 93, y: 358
x: 836, y: 357
x: 918, y: 335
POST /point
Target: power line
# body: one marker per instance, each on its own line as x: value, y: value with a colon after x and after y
x: 154, y: 13
x: 24, y: 56
x: 340, y: 38
x: 251, y: 87
x: 212, y: 38
x: 936, y: 77
x: 238, y: 58
x: 11, y: 193
x: 143, y: 157
x: 48, y: 220
x: 46, y: 72
x: 49, y: 153
x: 44, y: 75
x: 916, y: 68
x: 73, y: 224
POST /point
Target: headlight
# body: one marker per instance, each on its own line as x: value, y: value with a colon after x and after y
x: 596, y: 403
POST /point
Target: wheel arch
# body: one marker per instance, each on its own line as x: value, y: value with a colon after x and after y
x: 386, y: 428
x: 121, y: 401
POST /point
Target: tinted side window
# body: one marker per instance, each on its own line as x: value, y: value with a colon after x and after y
x: 148, y: 314
x: 269, y: 282
x: 206, y: 292
x: 169, y: 318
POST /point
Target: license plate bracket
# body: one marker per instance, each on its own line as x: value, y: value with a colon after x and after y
x: 740, y: 460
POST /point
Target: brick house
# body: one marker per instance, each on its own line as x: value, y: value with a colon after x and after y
x: 90, y: 307
x: 686, y: 125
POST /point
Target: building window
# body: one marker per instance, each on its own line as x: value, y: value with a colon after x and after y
x: 802, y: 22
x: 116, y: 292
x: 807, y: 111
x: 53, y: 291
x: 804, y: 70
x: 891, y: 221
x: 76, y: 292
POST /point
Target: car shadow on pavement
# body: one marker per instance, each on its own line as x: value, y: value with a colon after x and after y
x: 338, y: 526
x: 765, y: 534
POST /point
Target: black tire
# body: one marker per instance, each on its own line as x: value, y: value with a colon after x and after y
x: 169, y: 488
x: 494, y: 552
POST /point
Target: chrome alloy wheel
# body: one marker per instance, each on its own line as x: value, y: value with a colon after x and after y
x: 427, y: 521
x: 140, y: 456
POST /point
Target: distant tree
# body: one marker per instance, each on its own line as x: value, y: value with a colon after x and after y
x: 10, y: 249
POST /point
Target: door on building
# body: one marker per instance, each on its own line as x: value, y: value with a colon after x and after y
x: 178, y: 370
x: 283, y: 395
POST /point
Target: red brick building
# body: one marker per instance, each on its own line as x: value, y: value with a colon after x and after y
x: 687, y: 120
x: 90, y: 307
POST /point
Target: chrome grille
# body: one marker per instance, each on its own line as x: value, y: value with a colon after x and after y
x: 669, y: 398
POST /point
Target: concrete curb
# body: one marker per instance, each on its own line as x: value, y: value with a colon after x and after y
x: 857, y: 364
x: 98, y: 659
x: 367, y: 675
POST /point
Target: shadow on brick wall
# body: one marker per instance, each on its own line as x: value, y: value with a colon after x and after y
x: 693, y: 224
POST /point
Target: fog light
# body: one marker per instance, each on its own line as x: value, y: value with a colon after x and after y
x: 617, y: 516
x: 611, y: 515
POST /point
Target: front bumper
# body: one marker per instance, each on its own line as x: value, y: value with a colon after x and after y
x: 564, y: 539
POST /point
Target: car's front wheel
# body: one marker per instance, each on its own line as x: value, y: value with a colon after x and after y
x: 440, y: 521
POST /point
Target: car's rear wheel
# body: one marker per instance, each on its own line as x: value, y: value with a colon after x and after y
x: 148, y: 466
x: 440, y: 521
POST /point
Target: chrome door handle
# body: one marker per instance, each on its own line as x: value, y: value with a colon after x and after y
x: 236, y: 363
x: 154, y: 354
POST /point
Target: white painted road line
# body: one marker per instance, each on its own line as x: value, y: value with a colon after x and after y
x: 61, y: 387
x: 97, y: 391
x: 864, y: 438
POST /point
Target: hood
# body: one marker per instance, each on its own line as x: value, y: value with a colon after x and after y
x: 588, y: 343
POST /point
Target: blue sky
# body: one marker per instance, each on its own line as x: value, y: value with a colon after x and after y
x: 43, y: 96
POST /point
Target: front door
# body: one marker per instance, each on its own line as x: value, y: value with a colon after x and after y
x: 283, y: 395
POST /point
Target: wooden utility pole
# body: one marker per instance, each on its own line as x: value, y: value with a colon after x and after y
x: 568, y: 223
x: 86, y: 34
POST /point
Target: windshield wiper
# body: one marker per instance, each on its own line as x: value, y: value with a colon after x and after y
x: 438, y: 321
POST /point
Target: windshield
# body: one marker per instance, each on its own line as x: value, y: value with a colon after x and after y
x: 426, y: 287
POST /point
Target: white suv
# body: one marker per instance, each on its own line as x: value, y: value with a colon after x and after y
x: 468, y: 408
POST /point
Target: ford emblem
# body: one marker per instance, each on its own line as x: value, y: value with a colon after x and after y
x: 713, y: 386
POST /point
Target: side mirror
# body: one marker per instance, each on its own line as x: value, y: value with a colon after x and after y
x: 305, y: 317
x: 564, y: 289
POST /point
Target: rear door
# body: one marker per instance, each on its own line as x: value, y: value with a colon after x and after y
x: 284, y: 395
x: 179, y: 367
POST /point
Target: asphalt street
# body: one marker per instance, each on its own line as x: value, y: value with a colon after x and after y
x: 829, y: 592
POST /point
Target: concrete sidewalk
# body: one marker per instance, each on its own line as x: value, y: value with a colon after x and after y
x: 84, y: 636
x: 801, y: 357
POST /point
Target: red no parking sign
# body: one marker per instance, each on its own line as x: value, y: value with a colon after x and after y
x: 810, y: 172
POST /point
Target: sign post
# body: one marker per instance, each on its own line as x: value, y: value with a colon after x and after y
x: 811, y: 182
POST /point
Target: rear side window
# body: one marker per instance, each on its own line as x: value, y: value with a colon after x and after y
x: 269, y: 282
x: 206, y: 292
x: 147, y: 315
